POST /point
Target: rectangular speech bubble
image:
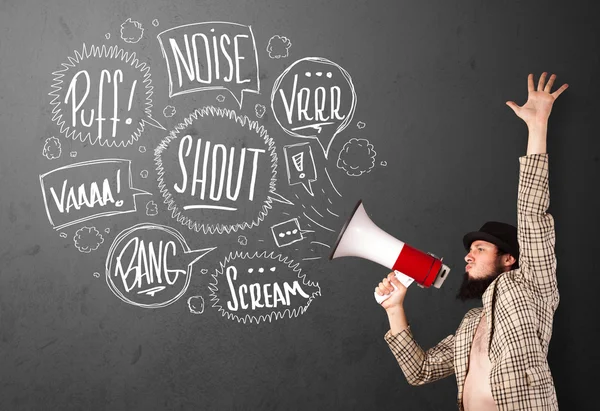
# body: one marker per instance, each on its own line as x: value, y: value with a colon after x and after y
x: 91, y: 189
x: 210, y: 56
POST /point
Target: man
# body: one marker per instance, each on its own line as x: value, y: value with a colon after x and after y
x: 499, y: 351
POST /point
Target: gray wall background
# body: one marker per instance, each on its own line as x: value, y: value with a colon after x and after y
x: 432, y: 79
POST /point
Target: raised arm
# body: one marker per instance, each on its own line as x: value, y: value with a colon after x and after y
x: 537, y: 260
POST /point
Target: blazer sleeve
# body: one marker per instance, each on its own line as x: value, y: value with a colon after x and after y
x: 421, y: 367
x: 535, y: 229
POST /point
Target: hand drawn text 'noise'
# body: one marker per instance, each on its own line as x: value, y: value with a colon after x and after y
x: 208, y: 56
x: 216, y: 167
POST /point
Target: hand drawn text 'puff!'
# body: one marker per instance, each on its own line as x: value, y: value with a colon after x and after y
x: 103, y: 96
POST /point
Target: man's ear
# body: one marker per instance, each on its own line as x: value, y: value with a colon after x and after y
x: 508, y: 260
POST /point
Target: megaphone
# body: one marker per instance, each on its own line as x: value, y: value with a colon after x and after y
x: 360, y: 237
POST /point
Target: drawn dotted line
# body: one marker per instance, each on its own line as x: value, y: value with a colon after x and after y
x: 282, y: 234
x: 260, y: 270
x: 318, y: 74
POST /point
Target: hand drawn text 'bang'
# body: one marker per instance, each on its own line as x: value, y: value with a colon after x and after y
x: 150, y: 265
x: 209, y: 56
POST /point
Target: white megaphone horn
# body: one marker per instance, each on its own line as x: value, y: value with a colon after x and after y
x: 360, y: 237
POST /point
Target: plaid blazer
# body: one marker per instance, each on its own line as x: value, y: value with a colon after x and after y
x: 519, y: 306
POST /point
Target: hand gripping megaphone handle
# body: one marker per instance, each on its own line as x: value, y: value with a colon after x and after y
x: 403, y: 278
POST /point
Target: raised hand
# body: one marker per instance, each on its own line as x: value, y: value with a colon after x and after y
x: 539, y: 102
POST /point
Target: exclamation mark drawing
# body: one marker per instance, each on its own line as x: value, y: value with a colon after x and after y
x: 128, y: 121
x: 119, y: 203
x: 298, y: 160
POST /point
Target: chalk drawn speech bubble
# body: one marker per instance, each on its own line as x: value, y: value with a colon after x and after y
x: 300, y: 165
x: 314, y: 98
x: 211, y: 56
x: 150, y: 265
x: 91, y: 189
x: 103, y: 95
x: 261, y: 287
x: 217, y: 171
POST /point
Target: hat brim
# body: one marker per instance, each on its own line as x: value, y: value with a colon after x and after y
x: 479, y: 235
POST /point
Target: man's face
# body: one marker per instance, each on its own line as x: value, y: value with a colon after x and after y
x: 484, y: 265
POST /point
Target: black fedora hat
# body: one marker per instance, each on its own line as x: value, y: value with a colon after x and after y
x: 503, y: 235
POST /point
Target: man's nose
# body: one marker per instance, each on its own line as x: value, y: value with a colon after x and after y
x: 468, y: 258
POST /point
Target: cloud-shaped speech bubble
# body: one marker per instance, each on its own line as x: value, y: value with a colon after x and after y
x: 211, y: 56
x: 83, y: 191
x: 52, y: 148
x: 357, y: 157
x: 103, y: 95
x: 225, y: 173
x: 314, y: 98
x: 150, y: 265
x: 87, y: 239
x: 131, y: 31
x: 261, y: 287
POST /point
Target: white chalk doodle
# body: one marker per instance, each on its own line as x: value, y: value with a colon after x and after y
x: 150, y: 265
x: 278, y: 47
x: 52, y: 148
x: 320, y: 225
x: 384, y: 163
x: 83, y: 191
x: 332, y: 185
x: 155, y: 22
x: 242, y: 240
x: 144, y: 173
x: 63, y: 235
x: 315, y: 106
x: 300, y: 165
x: 360, y: 125
x: 259, y: 110
x: 131, y: 31
x: 212, y: 177
x: 323, y: 244
x: 228, y: 60
x: 142, y: 149
x: 73, y: 154
x: 107, y: 230
x: 254, y: 297
x: 196, y: 304
x: 357, y: 157
x: 169, y: 111
x: 288, y: 232
x: 220, y: 98
x: 87, y: 239
x: 97, y: 274
x: 204, y: 271
x: 107, y: 36
x: 151, y: 208
x: 83, y: 89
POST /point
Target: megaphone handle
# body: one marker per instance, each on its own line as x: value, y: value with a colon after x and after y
x: 403, y: 278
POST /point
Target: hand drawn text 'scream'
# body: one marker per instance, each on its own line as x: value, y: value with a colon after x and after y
x: 252, y: 293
